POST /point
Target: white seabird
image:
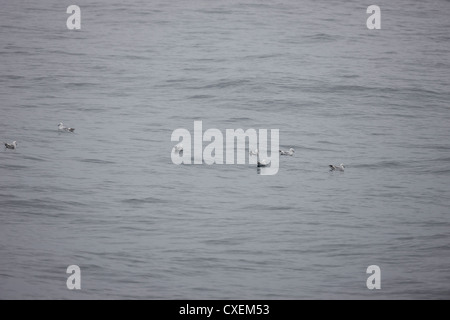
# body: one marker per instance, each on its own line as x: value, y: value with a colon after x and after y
x: 340, y: 167
x: 290, y: 152
x: 61, y: 127
x: 12, y: 146
x: 178, y: 148
x: 263, y: 163
x: 254, y: 152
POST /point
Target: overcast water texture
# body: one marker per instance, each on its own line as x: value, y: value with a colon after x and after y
x: 109, y: 199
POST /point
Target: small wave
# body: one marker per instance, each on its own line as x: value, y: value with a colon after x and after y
x: 201, y: 96
x: 267, y: 208
x: 308, y: 148
x: 279, y: 187
x: 379, y: 134
x: 22, y: 53
x: 440, y: 171
x: 222, y: 84
x: 135, y: 57
x: 216, y: 11
x: 261, y: 56
x: 325, y: 142
x: 96, y: 161
x: 239, y: 119
x: 150, y: 200
x: 350, y: 76
x: 28, y: 106
x: 13, y: 77
x: 443, y: 159
x: 19, y: 87
x: 79, y: 84
x: 12, y: 167
x: 435, y: 147
x: 32, y: 205
x: 8, y: 197
x: 382, y: 90
x: 15, y: 26
x: 34, y: 159
x: 388, y: 164
x: 68, y: 53
x: 322, y: 37
x: 179, y: 80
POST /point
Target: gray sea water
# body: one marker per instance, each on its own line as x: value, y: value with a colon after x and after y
x: 109, y: 199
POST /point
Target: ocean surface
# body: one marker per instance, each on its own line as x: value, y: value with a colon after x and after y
x: 109, y: 199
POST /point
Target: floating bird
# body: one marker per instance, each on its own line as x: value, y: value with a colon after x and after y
x: 61, y: 127
x: 290, y: 152
x: 254, y: 152
x: 341, y: 167
x: 263, y: 163
x: 12, y: 146
x: 178, y: 148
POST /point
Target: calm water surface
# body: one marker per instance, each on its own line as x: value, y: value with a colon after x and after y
x: 109, y: 199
